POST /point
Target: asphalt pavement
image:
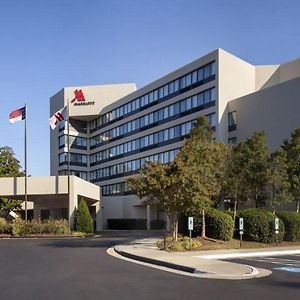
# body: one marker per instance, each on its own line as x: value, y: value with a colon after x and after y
x: 82, y: 269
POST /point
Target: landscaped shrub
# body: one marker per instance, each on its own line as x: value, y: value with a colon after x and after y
x: 5, y: 228
x: 127, y: 224
x: 291, y: 222
x: 157, y: 224
x: 56, y: 227
x: 219, y: 225
x: 84, y: 221
x: 259, y: 226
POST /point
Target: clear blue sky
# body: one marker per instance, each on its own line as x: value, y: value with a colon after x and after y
x: 48, y: 44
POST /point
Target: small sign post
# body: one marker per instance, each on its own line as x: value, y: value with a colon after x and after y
x: 241, y: 228
x: 191, y: 227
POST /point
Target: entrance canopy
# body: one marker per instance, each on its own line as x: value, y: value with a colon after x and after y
x: 52, y: 192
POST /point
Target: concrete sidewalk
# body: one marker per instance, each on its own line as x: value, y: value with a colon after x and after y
x: 205, y: 264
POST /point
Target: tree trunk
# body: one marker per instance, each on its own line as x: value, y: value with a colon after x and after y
x: 174, y: 224
x: 297, y: 205
x: 234, y: 209
x: 203, y: 223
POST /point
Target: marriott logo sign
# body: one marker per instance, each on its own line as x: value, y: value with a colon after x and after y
x: 79, y: 99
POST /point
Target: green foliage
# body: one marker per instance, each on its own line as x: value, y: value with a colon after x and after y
x: 201, y: 164
x: 278, y: 186
x: 158, y: 184
x: 83, y: 220
x: 254, y: 167
x: 183, y: 243
x: 55, y: 227
x: 292, y: 149
x: 9, y: 167
x: 219, y: 225
x: 5, y: 228
x: 259, y: 226
x: 127, y: 224
x: 291, y: 222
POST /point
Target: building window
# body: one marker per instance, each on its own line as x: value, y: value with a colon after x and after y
x: 198, y: 76
x: 232, y: 121
x: 232, y: 141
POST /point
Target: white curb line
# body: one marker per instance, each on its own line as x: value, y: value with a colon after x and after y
x: 249, y: 254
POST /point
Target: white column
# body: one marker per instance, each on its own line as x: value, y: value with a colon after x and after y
x: 73, y: 203
x: 148, y: 217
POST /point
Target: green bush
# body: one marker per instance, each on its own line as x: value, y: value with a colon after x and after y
x: 259, y: 226
x: 291, y: 222
x: 5, y: 228
x: 56, y: 227
x: 84, y: 221
x: 127, y: 224
x: 219, y: 225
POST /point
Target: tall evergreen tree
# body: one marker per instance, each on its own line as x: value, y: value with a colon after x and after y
x: 278, y: 187
x: 201, y: 163
x: 292, y: 149
x: 254, y: 167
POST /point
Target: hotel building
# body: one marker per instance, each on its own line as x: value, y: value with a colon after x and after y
x: 115, y: 128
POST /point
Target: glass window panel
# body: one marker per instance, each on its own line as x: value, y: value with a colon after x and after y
x: 171, y: 110
x: 194, y: 101
x: 213, y: 68
x: 188, y: 103
x: 194, y: 77
x: 166, y: 90
x: 213, y: 94
x: 161, y: 114
x: 166, y: 134
x: 161, y: 92
x: 155, y: 116
x: 207, y: 96
x: 207, y: 71
x: 171, y: 87
x: 166, y: 112
x: 176, y: 85
x: 188, y: 79
x: 200, y: 74
x: 182, y: 106
x: 176, y: 108
x: 171, y: 133
x: 200, y: 99
x: 155, y: 95
x: 151, y: 118
x: 182, y: 82
x: 151, y: 97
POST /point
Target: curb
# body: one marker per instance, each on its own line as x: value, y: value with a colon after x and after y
x: 159, y: 262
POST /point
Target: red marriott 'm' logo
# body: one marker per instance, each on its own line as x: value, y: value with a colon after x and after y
x: 78, y: 96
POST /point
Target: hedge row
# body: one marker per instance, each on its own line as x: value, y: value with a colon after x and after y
x: 19, y: 227
x: 259, y: 226
x: 291, y: 222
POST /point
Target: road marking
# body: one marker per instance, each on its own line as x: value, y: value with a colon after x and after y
x: 249, y: 254
x: 288, y: 269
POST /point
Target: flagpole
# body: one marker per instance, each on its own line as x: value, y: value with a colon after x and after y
x: 25, y: 157
x: 68, y: 155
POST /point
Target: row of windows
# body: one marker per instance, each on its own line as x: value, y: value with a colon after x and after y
x: 75, y: 141
x: 80, y: 174
x: 115, y: 189
x: 156, y: 116
x: 165, y: 135
x: 74, y: 158
x: 168, y: 89
x: 132, y: 166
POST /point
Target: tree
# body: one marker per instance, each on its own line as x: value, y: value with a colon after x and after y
x: 201, y: 164
x: 83, y: 219
x: 234, y: 185
x: 9, y: 167
x: 278, y: 187
x: 158, y: 184
x: 292, y: 149
x: 254, y: 167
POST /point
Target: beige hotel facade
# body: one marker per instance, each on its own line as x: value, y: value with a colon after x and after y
x: 115, y: 128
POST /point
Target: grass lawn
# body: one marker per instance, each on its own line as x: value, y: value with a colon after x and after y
x: 199, y: 244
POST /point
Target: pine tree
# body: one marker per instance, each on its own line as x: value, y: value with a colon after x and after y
x: 83, y: 219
